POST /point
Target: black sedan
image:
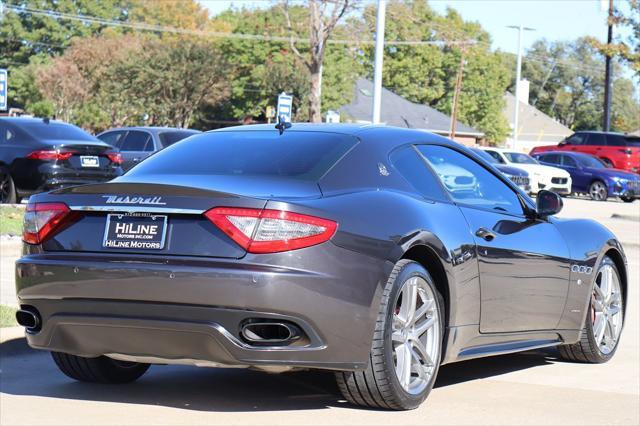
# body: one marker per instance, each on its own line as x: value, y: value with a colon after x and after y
x: 39, y: 154
x: 377, y: 252
x: 137, y: 143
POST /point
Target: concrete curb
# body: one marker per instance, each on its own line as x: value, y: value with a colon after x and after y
x: 11, y: 333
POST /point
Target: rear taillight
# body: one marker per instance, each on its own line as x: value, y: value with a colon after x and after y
x: 115, y: 157
x: 41, y: 220
x: 50, y: 155
x: 271, y: 231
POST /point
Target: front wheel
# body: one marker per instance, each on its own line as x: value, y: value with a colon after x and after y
x: 407, y: 344
x: 603, y: 324
x: 627, y: 199
x: 98, y: 370
x: 7, y: 188
x: 598, y: 191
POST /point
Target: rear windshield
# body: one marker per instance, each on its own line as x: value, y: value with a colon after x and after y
x: 56, y: 131
x: 169, y: 138
x: 632, y: 141
x: 298, y: 155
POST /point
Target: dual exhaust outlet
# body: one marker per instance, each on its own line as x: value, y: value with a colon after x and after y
x: 267, y: 332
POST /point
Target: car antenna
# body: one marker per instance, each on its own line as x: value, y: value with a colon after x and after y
x: 282, y: 125
x: 46, y: 120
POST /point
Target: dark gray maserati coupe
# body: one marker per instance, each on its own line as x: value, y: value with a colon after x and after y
x: 377, y: 252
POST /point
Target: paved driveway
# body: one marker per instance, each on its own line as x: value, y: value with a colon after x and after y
x: 531, y: 388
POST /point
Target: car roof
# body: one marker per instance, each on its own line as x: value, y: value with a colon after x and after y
x: 343, y: 128
x: 600, y: 132
x: 569, y: 153
x: 20, y: 120
x: 152, y: 128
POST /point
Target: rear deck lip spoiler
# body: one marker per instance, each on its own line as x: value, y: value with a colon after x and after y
x: 136, y: 209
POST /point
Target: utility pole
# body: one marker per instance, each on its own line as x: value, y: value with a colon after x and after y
x: 606, y: 124
x: 377, y: 70
x: 520, y: 29
x: 456, y: 93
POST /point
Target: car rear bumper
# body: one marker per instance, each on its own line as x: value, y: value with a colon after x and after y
x: 47, y: 177
x: 190, y: 310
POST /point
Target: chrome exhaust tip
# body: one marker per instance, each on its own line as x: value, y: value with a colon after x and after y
x: 268, y: 332
x: 29, y: 318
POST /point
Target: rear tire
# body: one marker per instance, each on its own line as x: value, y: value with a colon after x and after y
x: 628, y: 199
x: 7, y: 187
x: 379, y: 386
x: 98, y: 370
x: 591, y: 349
x: 598, y: 191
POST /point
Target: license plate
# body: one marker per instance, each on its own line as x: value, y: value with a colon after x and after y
x: 135, y: 232
x: 89, y: 161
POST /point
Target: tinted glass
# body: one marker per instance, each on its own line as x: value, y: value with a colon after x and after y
x: 137, y: 141
x: 632, y: 141
x: 469, y: 182
x: 519, y: 158
x: 596, y: 139
x: 619, y: 140
x: 169, y: 138
x: 589, y: 161
x: 496, y: 156
x: 576, y: 139
x: 112, y: 138
x: 299, y: 155
x: 413, y: 168
x: 485, y: 156
x: 568, y: 161
x: 55, y: 131
x: 549, y: 158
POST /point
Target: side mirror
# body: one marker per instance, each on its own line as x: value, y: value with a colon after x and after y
x: 548, y: 203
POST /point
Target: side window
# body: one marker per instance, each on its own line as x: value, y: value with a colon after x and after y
x: 550, y: 158
x: 137, y: 141
x: 616, y: 140
x: 112, y: 138
x: 596, y: 139
x: 495, y: 155
x: 3, y: 133
x: 413, y: 168
x: 470, y: 183
x: 576, y: 139
x: 568, y: 161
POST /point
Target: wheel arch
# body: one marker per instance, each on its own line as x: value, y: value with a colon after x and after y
x: 618, y: 260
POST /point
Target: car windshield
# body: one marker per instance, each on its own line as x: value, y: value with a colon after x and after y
x: 56, y: 131
x: 297, y: 155
x: 519, y: 158
x: 591, y: 162
x: 486, y: 157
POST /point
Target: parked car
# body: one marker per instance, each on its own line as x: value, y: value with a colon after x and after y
x: 589, y: 175
x: 137, y: 143
x: 542, y: 177
x: 518, y: 176
x: 335, y: 247
x: 616, y: 150
x: 40, y: 154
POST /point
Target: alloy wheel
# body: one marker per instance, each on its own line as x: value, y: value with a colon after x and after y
x: 5, y: 187
x: 415, y: 335
x: 598, y: 191
x: 606, y: 309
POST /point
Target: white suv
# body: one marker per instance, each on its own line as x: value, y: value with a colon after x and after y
x: 542, y: 177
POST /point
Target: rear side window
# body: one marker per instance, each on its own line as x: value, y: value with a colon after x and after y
x: 169, y: 138
x: 298, y: 155
x: 550, y: 158
x: 55, y: 131
x: 568, y: 161
x: 619, y: 140
x: 112, y: 138
x: 496, y: 156
x: 413, y: 168
x: 576, y: 139
x: 137, y: 141
x: 596, y: 139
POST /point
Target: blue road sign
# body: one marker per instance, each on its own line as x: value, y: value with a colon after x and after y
x: 284, y: 106
x: 4, y: 82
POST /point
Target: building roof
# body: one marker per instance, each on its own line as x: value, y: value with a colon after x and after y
x: 635, y: 133
x: 400, y: 112
x: 534, y: 125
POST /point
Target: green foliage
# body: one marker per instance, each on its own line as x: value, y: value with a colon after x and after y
x: 7, y: 316
x: 426, y: 73
x: 11, y: 220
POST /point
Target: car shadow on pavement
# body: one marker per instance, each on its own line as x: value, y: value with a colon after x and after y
x: 27, y: 372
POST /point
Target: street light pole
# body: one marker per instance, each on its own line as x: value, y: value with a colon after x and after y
x: 606, y: 125
x: 516, y: 112
x: 377, y: 70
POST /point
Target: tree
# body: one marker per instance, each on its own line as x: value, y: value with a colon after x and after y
x: 322, y: 22
x: 426, y: 73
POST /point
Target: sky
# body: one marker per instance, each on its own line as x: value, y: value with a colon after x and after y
x: 554, y: 20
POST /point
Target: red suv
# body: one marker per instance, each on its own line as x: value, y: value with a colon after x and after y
x: 617, y: 150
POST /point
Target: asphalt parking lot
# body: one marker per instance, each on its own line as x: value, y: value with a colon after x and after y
x: 530, y: 388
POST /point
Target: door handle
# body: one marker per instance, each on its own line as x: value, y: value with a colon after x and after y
x: 485, y: 234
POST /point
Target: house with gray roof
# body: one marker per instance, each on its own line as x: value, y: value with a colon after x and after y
x: 398, y: 111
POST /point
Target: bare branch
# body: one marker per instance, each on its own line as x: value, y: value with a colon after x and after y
x: 337, y: 14
x: 285, y: 10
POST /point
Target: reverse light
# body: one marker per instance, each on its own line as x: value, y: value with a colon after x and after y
x: 49, y: 155
x: 115, y: 157
x: 271, y: 231
x: 41, y: 220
